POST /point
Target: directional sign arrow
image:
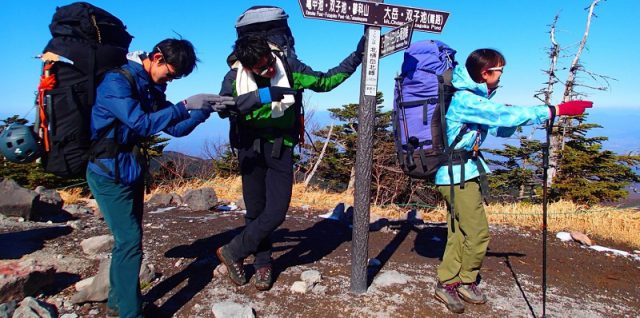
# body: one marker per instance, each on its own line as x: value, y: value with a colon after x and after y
x: 376, y: 14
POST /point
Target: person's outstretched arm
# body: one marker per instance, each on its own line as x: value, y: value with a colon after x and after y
x: 306, y: 77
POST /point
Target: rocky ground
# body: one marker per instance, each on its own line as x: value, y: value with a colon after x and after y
x: 181, y: 245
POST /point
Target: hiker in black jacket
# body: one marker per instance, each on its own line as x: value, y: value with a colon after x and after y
x: 265, y: 126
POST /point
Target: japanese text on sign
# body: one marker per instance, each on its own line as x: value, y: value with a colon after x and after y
x: 396, y: 39
x: 372, y: 55
x: 377, y: 14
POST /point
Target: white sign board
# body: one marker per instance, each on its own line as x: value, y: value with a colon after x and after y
x: 372, y: 56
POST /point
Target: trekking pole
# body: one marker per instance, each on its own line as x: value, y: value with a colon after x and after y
x: 545, y: 176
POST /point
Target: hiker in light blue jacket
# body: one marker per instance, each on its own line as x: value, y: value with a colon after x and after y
x: 471, y: 109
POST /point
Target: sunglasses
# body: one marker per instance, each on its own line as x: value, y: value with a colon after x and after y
x: 171, y: 75
x: 264, y: 69
x: 497, y: 68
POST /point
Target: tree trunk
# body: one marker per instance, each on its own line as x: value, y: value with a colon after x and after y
x: 557, y: 141
x: 352, y: 180
x: 315, y: 166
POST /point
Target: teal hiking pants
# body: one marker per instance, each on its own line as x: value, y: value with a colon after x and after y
x: 122, y: 208
x: 467, y: 245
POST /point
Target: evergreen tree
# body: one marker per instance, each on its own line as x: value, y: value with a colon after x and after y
x: 389, y: 183
x: 335, y: 170
x: 516, y: 176
x: 588, y: 173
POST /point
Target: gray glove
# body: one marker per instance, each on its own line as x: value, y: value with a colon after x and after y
x: 201, y: 101
x: 224, y: 104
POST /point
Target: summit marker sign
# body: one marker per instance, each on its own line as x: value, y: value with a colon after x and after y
x: 374, y: 14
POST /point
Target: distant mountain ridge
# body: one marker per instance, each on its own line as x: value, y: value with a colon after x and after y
x: 190, y: 165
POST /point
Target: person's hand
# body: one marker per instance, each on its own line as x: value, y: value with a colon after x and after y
x: 274, y: 93
x: 203, y: 101
x: 224, y: 104
x: 573, y: 108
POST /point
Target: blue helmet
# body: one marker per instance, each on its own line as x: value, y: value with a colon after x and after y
x: 19, y: 144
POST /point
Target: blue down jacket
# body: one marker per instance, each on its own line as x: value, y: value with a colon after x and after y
x: 471, y: 104
x: 136, y: 118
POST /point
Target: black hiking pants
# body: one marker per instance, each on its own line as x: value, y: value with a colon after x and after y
x: 266, y: 188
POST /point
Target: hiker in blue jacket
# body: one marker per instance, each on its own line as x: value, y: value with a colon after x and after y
x: 471, y: 108
x: 130, y: 105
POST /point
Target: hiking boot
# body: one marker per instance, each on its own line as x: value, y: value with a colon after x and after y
x: 235, y: 269
x: 471, y: 293
x: 448, y: 295
x: 263, y: 278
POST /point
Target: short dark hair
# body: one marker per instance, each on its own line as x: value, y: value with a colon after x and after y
x: 482, y: 59
x: 250, y: 49
x: 180, y: 53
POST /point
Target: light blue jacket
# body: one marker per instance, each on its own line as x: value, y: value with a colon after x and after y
x: 136, y: 117
x: 471, y: 104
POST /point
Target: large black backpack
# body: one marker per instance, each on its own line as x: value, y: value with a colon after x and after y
x: 87, y: 41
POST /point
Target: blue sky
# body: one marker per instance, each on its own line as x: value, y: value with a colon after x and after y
x: 517, y: 28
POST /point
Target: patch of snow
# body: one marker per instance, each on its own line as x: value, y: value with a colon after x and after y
x: 162, y: 210
x: 564, y: 236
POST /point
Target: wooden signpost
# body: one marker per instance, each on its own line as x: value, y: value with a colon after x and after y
x: 373, y: 14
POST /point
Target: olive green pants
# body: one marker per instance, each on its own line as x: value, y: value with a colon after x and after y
x: 467, y: 241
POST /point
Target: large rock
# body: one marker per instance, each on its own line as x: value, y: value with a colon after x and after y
x: 230, y: 309
x: 16, y: 200
x: 7, y: 309
x: 98, y: 290
x: 33, y: 308
x: 164, y: 200
x: 19, y: 279
x: 200, y: 199
x: 240, y: 204
x: 77, y: 209
x: 581, y: 237
x: 50, y: 202
x: 97, y: 244
x: 389, y: 278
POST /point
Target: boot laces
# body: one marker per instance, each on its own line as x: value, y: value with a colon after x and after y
x: 264, y: 272
x: 474, y: 288
x: 452, y: 289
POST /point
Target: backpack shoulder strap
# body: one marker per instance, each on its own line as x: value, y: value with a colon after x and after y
x: 130, y: 79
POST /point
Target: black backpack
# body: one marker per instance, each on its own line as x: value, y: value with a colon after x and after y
x: 87, y: 42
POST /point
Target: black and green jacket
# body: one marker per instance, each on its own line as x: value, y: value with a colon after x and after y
x: 252, y: 120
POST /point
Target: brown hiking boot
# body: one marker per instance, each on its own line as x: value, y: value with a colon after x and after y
x: 235, y: 269
x: 471, y: 293
x: 263, y: 279
x: 448, y: 295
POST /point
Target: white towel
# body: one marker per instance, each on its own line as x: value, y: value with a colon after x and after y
x: 245, y: 83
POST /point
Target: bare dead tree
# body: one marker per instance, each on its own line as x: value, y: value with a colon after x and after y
x: 557, y: 140
x: 320, y: 156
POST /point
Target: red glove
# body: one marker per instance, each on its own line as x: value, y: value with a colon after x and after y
x: 573, y: 108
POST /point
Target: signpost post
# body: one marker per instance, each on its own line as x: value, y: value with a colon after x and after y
x: 373, y: 14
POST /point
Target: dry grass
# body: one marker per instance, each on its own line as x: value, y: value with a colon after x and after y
x: 227, y: 189
x: 71, y: 195
x: 618, y: 225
